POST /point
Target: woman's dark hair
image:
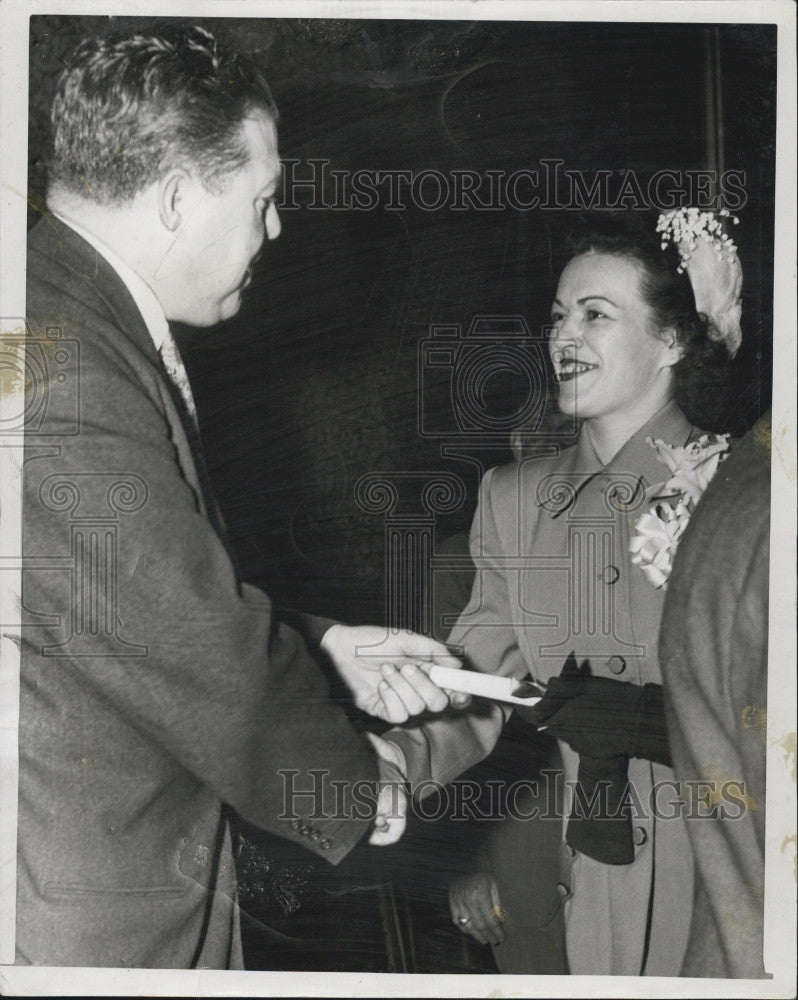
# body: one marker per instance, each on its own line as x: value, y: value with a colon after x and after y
x: 700, y: 377
x: 126, y: 110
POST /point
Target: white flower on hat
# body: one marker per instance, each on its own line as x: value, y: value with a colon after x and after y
x: 709, y: 255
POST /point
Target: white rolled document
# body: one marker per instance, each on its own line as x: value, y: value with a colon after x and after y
x: 506, y: 689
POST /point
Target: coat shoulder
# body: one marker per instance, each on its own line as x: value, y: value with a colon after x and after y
x: 524, y: 475
x: 513, y: 492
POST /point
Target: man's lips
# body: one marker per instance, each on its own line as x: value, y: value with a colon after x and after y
x: 570, y: 368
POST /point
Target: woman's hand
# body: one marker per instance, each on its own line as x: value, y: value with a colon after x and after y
x: 600, y: 717
x: 476, y: 909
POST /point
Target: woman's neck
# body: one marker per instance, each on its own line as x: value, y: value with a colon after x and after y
x: 609, y: 433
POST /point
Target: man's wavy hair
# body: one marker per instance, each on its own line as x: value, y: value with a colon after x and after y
x: 127, y: 110
x: 700, y: 378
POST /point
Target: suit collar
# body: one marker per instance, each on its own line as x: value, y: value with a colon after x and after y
x: 145, y: 298
x: 59, y: 242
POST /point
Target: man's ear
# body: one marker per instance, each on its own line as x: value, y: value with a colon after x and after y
x: 172, y: 198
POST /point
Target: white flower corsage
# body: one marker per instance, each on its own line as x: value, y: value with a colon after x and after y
x: 659, y: 530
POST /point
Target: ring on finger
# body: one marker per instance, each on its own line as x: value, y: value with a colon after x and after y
x: 462, y: 921
x: 500, y: 914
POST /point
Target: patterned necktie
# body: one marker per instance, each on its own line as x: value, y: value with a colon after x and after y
x: 178, y: 376
x: 183, y: 398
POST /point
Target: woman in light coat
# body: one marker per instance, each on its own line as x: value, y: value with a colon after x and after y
x: 555, y: 576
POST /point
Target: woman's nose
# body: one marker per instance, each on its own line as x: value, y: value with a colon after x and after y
x: 565, y: 332
x: 273, y: 224
x: 569, y: 329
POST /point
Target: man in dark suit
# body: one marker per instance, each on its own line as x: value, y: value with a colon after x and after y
x: 157, y: 689
x: 714, y: 654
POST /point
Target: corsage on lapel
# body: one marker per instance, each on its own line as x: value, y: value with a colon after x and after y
x: 672, y: 502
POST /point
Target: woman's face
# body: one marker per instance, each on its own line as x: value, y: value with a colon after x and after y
x: 607, y: 359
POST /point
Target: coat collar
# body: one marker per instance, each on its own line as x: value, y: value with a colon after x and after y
x: 581, y: 464
x: 668, y: 424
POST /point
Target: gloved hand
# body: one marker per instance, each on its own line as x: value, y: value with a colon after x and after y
x: 605, y: 721
x: 601, y: 717
x: 600, y: 823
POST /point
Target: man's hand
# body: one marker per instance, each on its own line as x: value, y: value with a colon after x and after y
x: 476, y: 908
x: 391, y: 818
x: 385, y: 672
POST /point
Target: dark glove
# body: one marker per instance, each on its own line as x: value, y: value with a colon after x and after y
x: 605, y: 721
x: 600, y: 823
x: 602, y: 717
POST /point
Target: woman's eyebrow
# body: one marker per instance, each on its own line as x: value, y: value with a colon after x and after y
x: 587, y: 298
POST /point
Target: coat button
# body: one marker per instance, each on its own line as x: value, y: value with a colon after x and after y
x: 564, y: 890
x: 617, y: 664
x: 639, y: 835
x: 610, y: 575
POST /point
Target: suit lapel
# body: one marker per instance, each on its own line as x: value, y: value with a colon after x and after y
x: 66, y: 248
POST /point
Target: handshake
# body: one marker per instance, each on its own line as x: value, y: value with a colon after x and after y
x: 604, y: 720
x: 387, y: 675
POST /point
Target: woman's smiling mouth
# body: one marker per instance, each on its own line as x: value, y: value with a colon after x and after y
x: 569, y: 368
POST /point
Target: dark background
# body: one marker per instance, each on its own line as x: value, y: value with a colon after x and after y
x: 316, y: 382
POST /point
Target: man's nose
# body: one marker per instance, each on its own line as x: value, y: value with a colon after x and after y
x: 273, y: 224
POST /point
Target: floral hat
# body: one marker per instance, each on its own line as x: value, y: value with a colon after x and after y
x: 709, y: 256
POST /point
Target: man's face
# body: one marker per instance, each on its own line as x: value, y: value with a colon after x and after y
x: 219, y: 236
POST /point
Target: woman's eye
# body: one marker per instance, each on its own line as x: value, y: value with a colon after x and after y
x: 556, y: 318
x: 595, y: 314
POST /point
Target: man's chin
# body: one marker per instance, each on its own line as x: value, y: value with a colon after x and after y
x: 207, y: 314
x: 229, y: 305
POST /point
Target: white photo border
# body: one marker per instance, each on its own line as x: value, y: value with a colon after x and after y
x: 780, y: 892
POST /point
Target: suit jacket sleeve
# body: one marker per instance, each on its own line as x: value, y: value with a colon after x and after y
x: 231, y: 694
x: 443, y: 748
